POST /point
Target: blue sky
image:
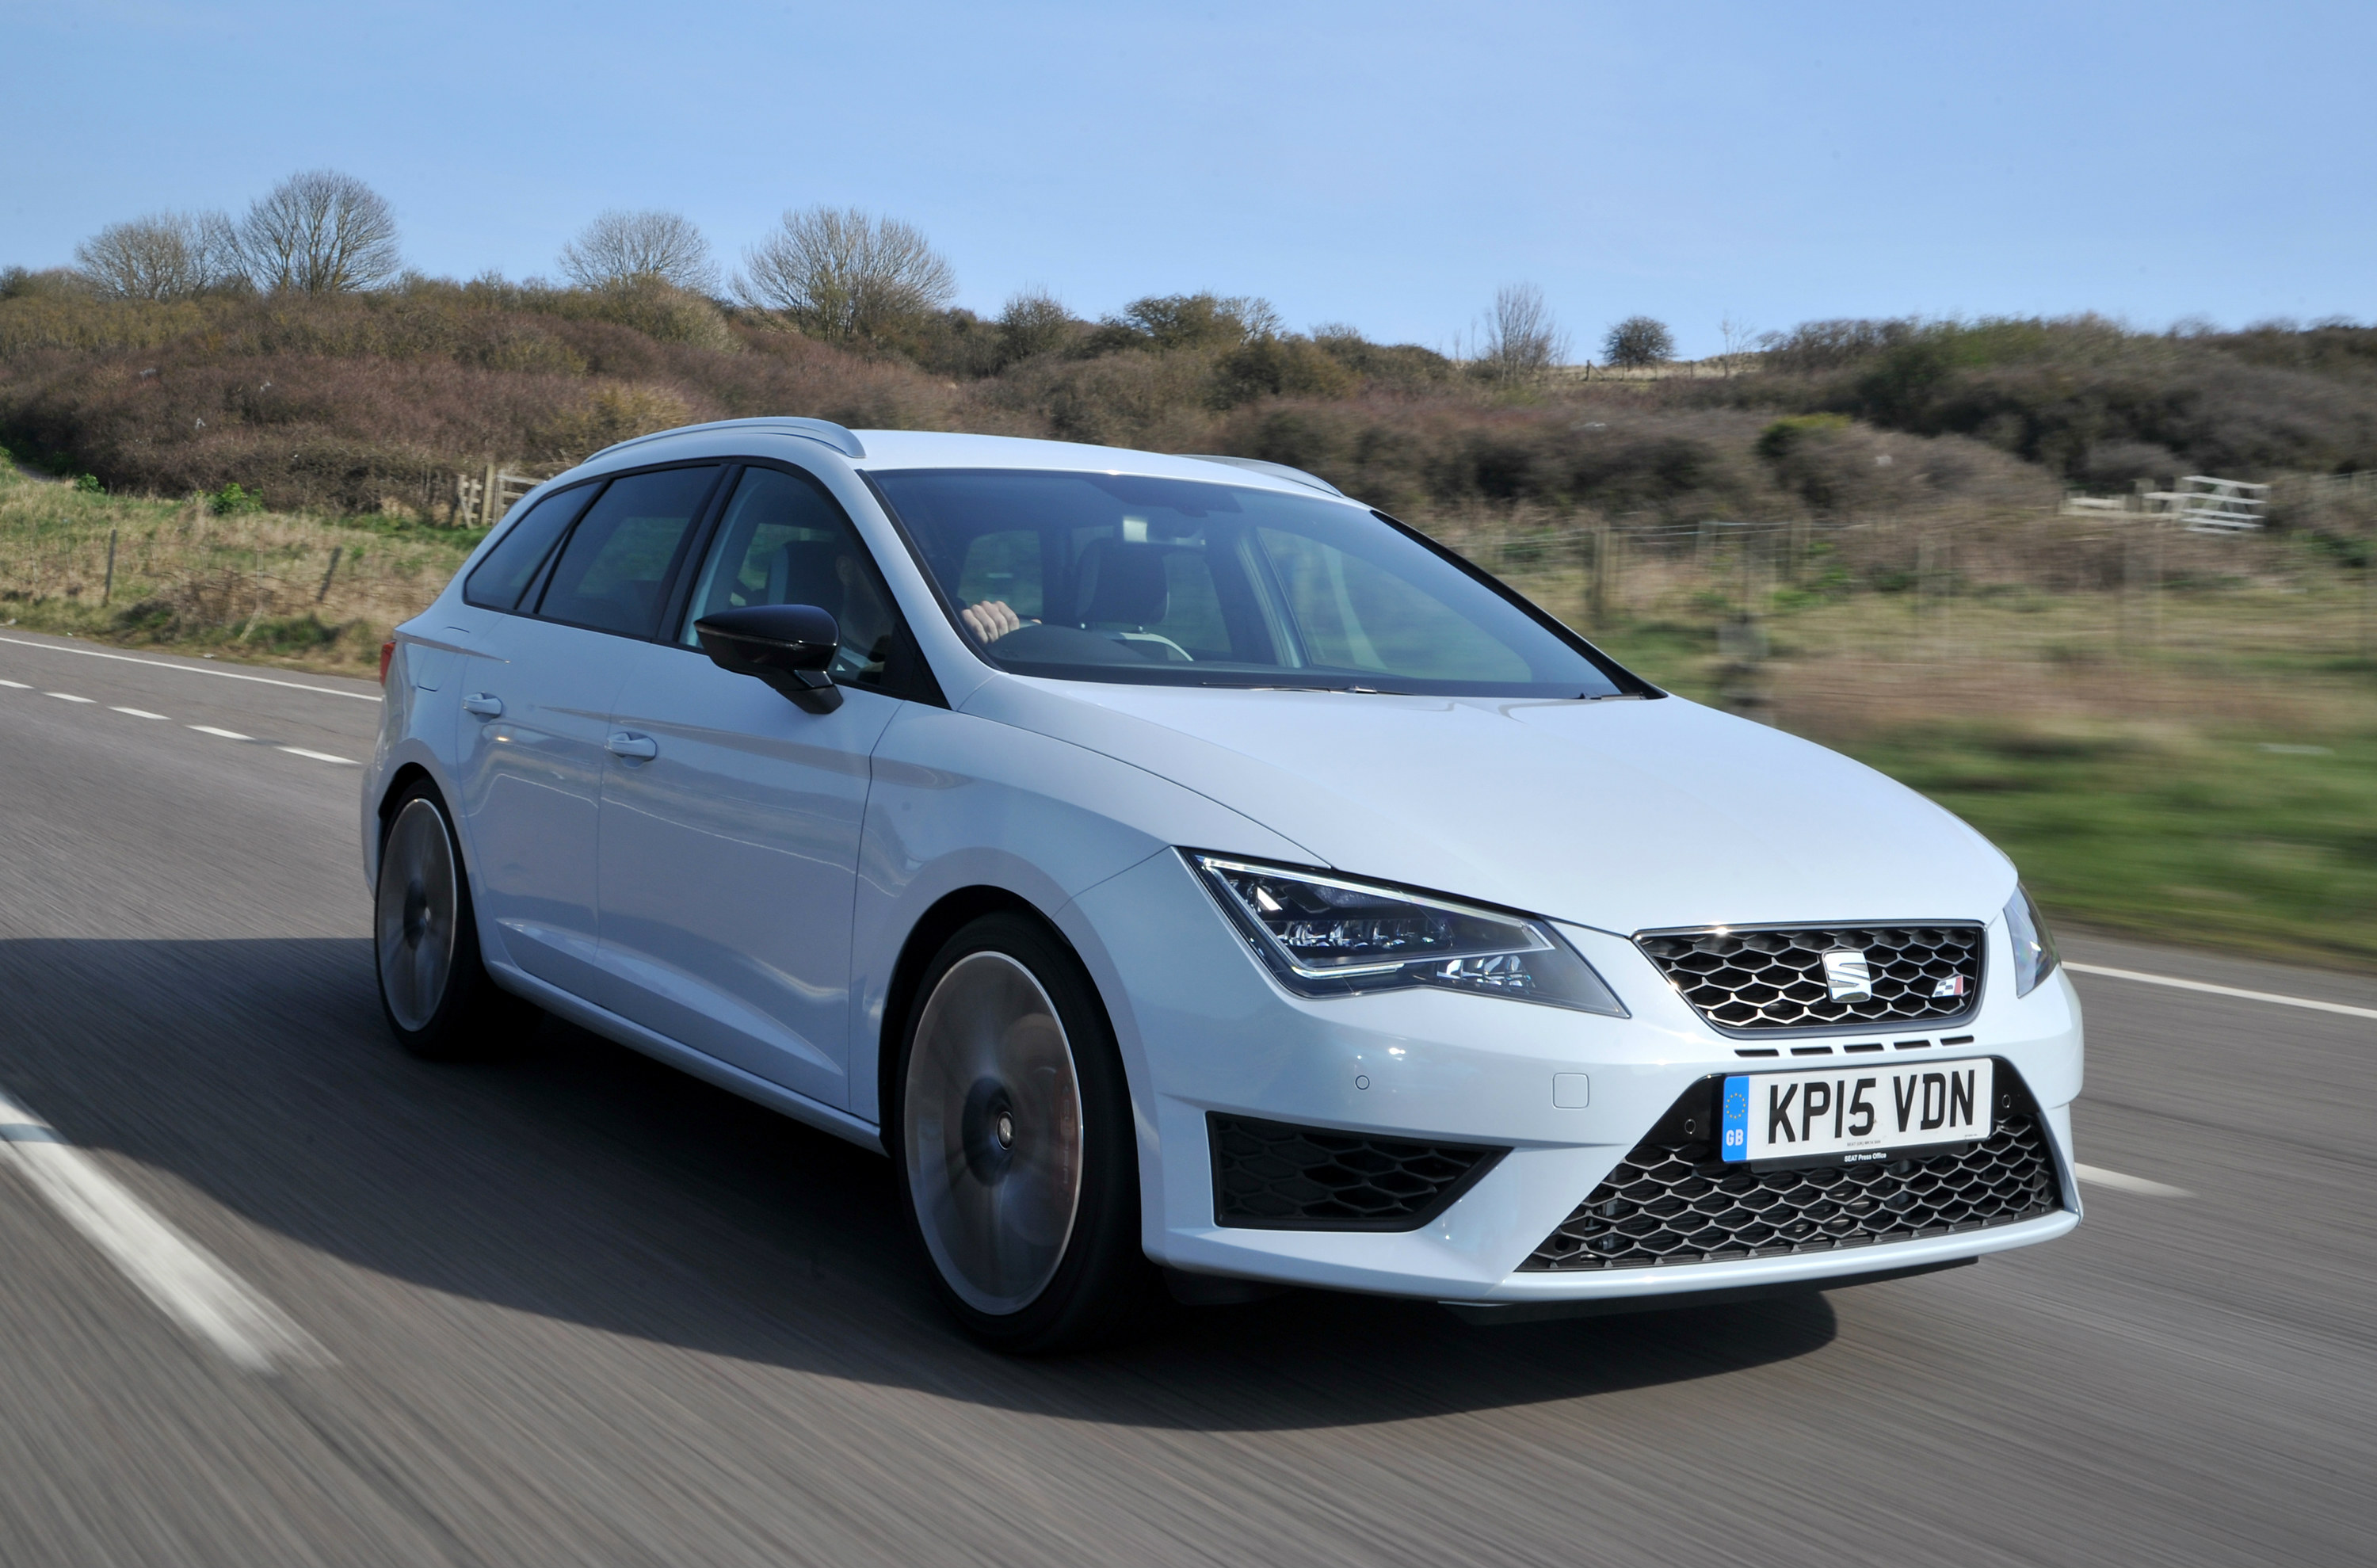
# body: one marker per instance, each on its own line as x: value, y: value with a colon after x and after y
x: 1382, y: 164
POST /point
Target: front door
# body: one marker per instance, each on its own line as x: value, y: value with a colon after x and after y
x: 729, y: 856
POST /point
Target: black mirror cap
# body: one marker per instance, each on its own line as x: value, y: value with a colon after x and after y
x: 788, y: 646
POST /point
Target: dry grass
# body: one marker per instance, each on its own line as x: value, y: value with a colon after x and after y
x: 269, y: 586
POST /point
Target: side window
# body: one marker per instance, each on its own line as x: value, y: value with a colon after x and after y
x: 784, y: 541
x: 611, y: 572
x: 497, y: 582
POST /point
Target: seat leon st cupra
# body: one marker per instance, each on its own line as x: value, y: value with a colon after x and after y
x: 1188, y: 875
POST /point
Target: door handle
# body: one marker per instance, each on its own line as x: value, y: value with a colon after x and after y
x: 635, y: 747
x: 483, y: 704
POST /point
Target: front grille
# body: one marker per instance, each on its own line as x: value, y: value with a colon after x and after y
x: 1673, y: 1201
x: 1751, y: 979
x: 1271, y: 1175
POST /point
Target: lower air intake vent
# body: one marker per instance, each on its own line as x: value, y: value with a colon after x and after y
x: 1673, y: 1201
x: 1271, y: 1175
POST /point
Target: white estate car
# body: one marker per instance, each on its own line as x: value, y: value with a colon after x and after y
x: 1169, y: 861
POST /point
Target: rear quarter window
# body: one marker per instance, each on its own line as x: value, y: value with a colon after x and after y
x: 497, y: 582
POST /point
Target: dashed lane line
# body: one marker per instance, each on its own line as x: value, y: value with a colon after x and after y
x: 195, y: 670
x: 2177, y: 984
x: 2122, y: 1183
x: 186, y: 1283
x: 202, y: 729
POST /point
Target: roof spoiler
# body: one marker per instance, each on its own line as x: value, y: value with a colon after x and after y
x: 1276, y: 470
x: 825, y: 430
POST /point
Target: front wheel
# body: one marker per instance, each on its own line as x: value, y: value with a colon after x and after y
x: 1016, y: 1145
x: 434, y: 991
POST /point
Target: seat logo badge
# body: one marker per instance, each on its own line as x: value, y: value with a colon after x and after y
x: 1847, y: 975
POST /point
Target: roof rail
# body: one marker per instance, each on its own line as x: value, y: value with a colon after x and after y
x: 1276, y: 470
x: 824, y: 430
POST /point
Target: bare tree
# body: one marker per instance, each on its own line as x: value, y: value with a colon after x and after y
x: 628, y: 248
x: 1521, y: 339
x: 320, y: 233
x: 163, y: 256
x: 1737, y: 336
x: 840, y: 274
x: 1639, y: 342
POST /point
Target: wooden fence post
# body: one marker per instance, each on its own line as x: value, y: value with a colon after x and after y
x: 324, y: 591
x: 490, y: 498
x: 107, y: 589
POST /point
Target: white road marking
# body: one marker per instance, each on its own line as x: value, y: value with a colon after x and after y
x: 2178, y: 984
x: 2115, y: 1179
x: 66, y: 697
x: 320, y: 756
x: 227, y: 735
x: 138, y: 713
x: 15, y: 685
x: 187, y: 1284
x: 195, y: 670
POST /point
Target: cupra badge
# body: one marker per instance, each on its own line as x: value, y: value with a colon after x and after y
x: 1847, y: 975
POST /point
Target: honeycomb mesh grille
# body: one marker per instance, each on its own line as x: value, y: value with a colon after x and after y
x: 1750, y: 980
x: 1673, y: 1201
x: 1270, y: 1174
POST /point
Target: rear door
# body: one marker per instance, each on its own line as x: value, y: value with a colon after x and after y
x: 536, y: 697
x: 729, y: 856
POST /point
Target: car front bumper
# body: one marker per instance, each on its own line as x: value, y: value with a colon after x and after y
x: 1205, y: 1030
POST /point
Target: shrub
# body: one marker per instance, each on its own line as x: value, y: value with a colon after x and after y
x: 233, y: 499
x: 89, y: 484
x: 1637, y: 342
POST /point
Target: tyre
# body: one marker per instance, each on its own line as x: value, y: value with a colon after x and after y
x: 434, y: 988
x: 1015, y: 1143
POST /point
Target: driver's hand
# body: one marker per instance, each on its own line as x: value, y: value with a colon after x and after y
x: 991, y: 619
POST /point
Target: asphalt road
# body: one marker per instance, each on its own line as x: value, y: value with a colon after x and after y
x: 574, y: 1307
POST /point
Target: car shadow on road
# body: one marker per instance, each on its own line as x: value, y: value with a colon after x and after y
x: 576, y: 1180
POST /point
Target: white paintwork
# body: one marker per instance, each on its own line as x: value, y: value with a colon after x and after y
x: 727, y: 862
x: 757, y: 879
x: 527, y: 786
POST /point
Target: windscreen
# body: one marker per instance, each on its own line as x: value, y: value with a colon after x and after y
x: 1111, y: 578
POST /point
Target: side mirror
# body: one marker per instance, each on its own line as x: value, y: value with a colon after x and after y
x: 788, y: 646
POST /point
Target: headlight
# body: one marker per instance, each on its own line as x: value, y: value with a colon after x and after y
x: 1327, y: 935
x: 2034, y: 948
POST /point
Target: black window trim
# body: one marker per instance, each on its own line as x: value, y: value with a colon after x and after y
x: 1628, y: 684
x: 516, y: 517
x: 538, y: 585
x: 916, y: 683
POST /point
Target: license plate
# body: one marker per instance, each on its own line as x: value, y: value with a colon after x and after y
x: 1861, y: 1113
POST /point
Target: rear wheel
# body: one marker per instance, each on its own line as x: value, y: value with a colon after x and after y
x: 434, y: 990
x: 1016, y: 1146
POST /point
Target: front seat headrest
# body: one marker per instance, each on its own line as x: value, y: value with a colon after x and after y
x: 1121, y: 584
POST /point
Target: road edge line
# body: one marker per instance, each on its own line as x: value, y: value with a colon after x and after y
x: 195, y: 669
x: 2178, y: 984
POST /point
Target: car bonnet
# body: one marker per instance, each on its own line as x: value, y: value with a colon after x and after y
x: 1626, y: 815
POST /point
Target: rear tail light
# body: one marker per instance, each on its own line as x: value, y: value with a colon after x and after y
x: 387, y: 651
